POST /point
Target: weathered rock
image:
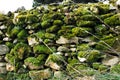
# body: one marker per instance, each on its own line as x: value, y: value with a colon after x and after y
x: 10, y: 67
x: 3, y: 27
x: 2, y: 58
x: 40, y: 74
x: 3, y: 70
x: 2, y: 64
x: 33, y: 63
x: 62, y: 49
x: 32, y: 41
x: 3, y: 49
x: 63, y: 40
x: 110, y: 60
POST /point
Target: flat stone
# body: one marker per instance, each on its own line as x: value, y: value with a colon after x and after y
x: 62, y: 49
x: 2, y: 58
x: 3, y: 27
x: 2, y: 64
x: 111, y: 61
x: 3, y: 70
x: 62, y: 40
x: 3, y: 49
x: 32, y: 41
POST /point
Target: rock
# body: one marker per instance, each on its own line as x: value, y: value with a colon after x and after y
x: 10, y: 67
x: 59, y: 75
x: 73, y: 49
x: 85, y: 78
x: 73, y: 40
x: 62, y: 40
x: 32, y: 63
x: 1, y: 58
x: 110, y: 60
x: 32, y: 41
x: 3, y: 27
x: 7, y: 39
x: 3, y: 49
x: 2, y: 64
x: 3, y: 70
x: 62, y: 49
x: 40, y: 74
x: 115, y: 69
x: 54, y: 66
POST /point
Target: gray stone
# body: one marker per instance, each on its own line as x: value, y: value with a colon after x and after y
x: 62, y: 49
x: 63, y: 40
x: 3, y: 70
x: 3, y: 49
x: 3, y: 27
x: 2, y: 58
x: 74, y: 40
x: 2, y: 64
x: 110, y: 60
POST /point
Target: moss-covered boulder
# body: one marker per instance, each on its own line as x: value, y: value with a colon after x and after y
x: 90, y: 55
x: 113, y: 20
x: 33, y: 63
x: 41, y: 49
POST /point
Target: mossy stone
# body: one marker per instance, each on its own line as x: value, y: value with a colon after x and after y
x: 83, y: 23
x: 46, y: 24
x: 115, y: 69
x: 41, y: 49
x: 57, y: 22
x: 90, y: 55
x: 22, y: 34
x: 113, y: 20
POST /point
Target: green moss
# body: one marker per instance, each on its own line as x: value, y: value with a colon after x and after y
x: 22, y: 34
x: 100, y: 29
x: 32, y: 60
x: 21, y: 19
x: 103, y: 68
x: 66, y: 31
x: 41, y: 57
x: 46, y: 24
x: 9, y: 44
x: 41, y: 49
x: 49, y: 35
x: 58, y: 22
x: 40, y: 34
x: 107, y: 39
x: 33, y: 26
x: 81, y: 31
x: 83, y: 47
x: 53, y: 28
x: 14, y: 31
x: 113, y: 20
x: 22, y: 50
x: 88, y: 17
x: 11, y: 58
x: 96, y: 65
x: 104, y: 16
x: 115, y: 69
x: 31, y: 18
x: 2, y: 17
x: 82, y: 23
x: 90, y: 55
